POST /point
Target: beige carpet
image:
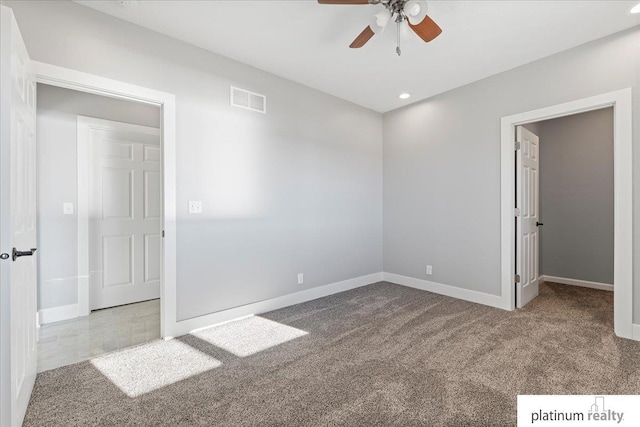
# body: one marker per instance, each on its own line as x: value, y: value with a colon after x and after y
x: 380, y: 355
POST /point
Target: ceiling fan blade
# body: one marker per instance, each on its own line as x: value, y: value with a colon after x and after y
x: 343, y: 1
x: 362, y: 38
x: 427, y: 29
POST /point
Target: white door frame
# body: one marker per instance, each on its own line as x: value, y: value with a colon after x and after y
x: 621, y: 101
x: 83, y: 82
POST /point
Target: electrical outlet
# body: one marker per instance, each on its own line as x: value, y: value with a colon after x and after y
x: 300, y: 278
x: 67, y: 208
x: 429, y: 270
x: 195, y: 206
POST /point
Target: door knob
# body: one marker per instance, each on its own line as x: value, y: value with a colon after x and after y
x: 15, y: 254
x: 538, y: 224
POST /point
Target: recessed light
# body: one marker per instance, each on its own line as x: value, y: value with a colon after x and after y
x: 404, y: 95
x: 635, y: 9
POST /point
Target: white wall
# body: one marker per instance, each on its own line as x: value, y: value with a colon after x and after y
x: 57, y: 112
x: 576, y: 196
x: 442, y: 161
x: 296, y: 190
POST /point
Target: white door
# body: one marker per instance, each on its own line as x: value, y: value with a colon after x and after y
x: 125, y: 205
x: 527, y: 245
x: 17, y: 224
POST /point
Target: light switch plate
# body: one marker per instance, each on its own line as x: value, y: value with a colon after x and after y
x: 195, y: 206
x: 67, y: 208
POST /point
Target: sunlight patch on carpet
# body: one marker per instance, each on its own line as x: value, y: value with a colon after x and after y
x: 142, y: 369
x: 249, y: 336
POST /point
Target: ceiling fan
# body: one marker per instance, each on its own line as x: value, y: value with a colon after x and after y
x: 412, y: 11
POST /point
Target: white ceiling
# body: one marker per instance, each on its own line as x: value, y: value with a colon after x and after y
x: 308, y: 43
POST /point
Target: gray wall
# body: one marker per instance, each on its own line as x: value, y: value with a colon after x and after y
x: 298, y: 190
x: 576, y: 196
x: 533, y: 127
x: 57, y: 112
x: 442, y: 161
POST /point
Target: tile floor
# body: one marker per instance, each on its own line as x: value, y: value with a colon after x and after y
x: 103, y: 331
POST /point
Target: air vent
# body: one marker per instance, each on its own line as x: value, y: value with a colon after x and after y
x: 248, y: 100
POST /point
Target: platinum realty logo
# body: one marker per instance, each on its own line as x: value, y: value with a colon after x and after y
x: 599, y: 412
x: 580, y: 410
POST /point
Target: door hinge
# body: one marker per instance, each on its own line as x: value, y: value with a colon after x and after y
x: 517, y: 278
x: 516, y: 145
x: 516, y: 212
x: 162, y: 233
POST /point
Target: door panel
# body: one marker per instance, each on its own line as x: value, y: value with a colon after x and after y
x: 527, y: 248
x: 18, y: 302
x: 152, y: 189
x: 117, y: 260
x: 152, y: 257
x: 117, y: 193
x: 124, y: 212
x: 151, y: 154
x: 117, y: 150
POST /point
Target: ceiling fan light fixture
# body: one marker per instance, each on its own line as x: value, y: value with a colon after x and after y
x: 635, y: 9
x: 415, y: 10
x: 411, y: 8
x: 379, y: 21
x: 404, y: 95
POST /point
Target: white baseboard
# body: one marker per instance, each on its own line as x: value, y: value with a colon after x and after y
x: 576, y: 282
x: 201, y: 322
x: 57, y: 314
x: 636, y: 332
x: 70, y: 311
x: 448, y: 290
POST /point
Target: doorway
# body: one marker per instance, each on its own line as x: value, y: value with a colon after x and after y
x: 18, y: 274
x: 99, y: 229
x: 623, y: 209
x: 119, y: 204
x: 565, y: 231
